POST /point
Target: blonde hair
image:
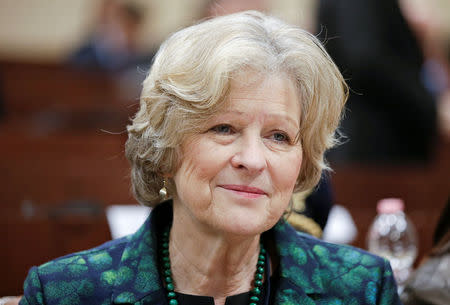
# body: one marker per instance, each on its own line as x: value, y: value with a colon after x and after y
x: 190, y: 78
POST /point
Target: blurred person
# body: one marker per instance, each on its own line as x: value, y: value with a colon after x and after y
x: 444, y: 114
x: 435, y: 43
x: 311, y: 208
x: 319, y: 202
x: 391, y: 117
x: 444, y: 98
x: 235, y: 114
x: 430, y: 282
x: 113, y: 45
x: 436, y: 73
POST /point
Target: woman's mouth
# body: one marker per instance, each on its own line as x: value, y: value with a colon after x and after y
x: 244, y: 190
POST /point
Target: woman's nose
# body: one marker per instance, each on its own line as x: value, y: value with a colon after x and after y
x: 250, y: 155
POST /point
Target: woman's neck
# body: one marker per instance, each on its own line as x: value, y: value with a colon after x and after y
x: 210, y: 263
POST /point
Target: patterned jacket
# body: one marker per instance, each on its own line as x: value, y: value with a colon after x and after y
x: 124, y: 271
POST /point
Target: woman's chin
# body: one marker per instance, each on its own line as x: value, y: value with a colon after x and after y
x: 246, y: 229
x: 244, y: 224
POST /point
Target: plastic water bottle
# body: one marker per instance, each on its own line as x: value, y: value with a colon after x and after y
x: 393, y: 236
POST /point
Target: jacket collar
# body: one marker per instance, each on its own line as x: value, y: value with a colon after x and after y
x: 140, y: 257
x: 299, y: 277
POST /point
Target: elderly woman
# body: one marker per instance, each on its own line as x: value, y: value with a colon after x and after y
x: 235, y: 114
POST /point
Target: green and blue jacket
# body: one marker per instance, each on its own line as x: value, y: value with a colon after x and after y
x: 125, y: 271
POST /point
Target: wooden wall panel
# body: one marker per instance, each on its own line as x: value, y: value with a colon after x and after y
x: 425, y: 190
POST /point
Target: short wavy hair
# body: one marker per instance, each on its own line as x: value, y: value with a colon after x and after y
x: 190, y: 79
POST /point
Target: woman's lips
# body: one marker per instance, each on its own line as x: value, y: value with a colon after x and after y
x: 244, y: 190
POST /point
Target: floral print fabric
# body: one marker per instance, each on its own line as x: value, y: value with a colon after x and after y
x: 124, y: 271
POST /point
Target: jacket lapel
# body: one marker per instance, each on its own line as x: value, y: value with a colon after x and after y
x: 300, y: 280
x: 137, y: 280
x: 137, y: 277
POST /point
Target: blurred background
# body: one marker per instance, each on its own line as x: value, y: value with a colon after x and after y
x: 70, y: 74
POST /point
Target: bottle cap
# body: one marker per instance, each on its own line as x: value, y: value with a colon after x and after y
x: 390, y: 205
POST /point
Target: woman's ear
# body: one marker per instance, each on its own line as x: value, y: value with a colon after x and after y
x: 168, y: 175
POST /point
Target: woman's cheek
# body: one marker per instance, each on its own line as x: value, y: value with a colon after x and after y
x: 291, y: 169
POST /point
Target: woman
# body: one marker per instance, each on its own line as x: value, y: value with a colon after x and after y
x: 235, y: 114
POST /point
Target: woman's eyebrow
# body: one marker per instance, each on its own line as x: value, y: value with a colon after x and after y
x: 286, y: 118
x: 280, y: 116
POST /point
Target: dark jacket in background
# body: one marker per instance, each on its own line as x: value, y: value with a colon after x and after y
x: 391, y: 117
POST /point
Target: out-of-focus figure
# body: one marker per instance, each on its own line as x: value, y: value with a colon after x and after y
x: 113, y: 45
x: 430, y: 283
x: 434, y: 37
x: 391, y: 116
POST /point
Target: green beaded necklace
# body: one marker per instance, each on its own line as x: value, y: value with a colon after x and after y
x: 171, y: 295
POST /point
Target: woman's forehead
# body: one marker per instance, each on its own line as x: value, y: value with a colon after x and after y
x: 267, y: 95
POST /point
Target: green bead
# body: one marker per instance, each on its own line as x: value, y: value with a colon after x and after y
x: 166, y: 259
x: 167, y: 272
x: 258, y: 276
x: 173, y: 302
x: 261, y: 263
x: 258, y: 283
x: 260, y: 270
x: 165, y: 251
x: 165, y: 245
x: 171, y: 295
x: 256, y: 290
x: 167, y: 265
x: 263, y: 251
x: 252, y: 303
x: 170, y: 287
x: 261, y: 257
x: 254, y: 298
x: 168, y: 279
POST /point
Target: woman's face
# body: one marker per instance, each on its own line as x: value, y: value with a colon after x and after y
x: 238, y: 174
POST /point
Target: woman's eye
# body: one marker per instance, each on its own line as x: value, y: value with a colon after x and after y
x: 280, y: 137
x: 222, y: 128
